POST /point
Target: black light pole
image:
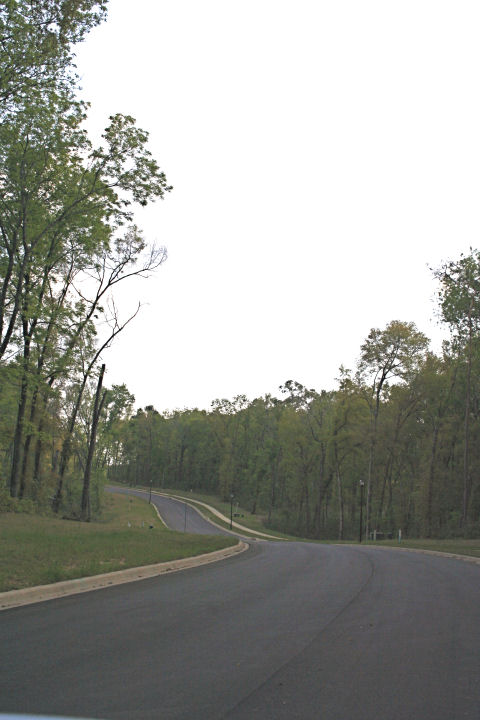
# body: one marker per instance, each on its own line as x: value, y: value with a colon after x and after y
x: 361, y: 511
x: 231, y: 511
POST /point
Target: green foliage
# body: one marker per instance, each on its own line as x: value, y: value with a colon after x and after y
x: 459, y: 292
x: 67, y: 238
x: 35, y: 52
x: 297, y: 463
x: 15, y: 505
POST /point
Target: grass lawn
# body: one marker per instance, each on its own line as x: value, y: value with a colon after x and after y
x: 457, y: 546
x: 38, y: 550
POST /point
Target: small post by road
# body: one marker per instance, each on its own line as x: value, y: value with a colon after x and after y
x: 362, y: 484
x: 150, y: 496
x: 231, y: 510
x: 185, y: 524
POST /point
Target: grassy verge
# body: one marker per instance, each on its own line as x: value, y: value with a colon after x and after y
x: 457, y: 546
x: 38, y: 550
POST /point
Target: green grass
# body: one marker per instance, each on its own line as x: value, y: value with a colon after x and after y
x: 456, y: 546
x: 38, y: 550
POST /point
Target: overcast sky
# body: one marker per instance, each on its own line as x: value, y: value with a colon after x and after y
x: 323, y: 156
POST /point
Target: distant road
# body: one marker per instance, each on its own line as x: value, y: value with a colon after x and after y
x: 176, y: 514
x: 284, y: 631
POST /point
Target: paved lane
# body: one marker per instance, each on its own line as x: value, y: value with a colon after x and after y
x: 176, y: 514
x: 282, y: 631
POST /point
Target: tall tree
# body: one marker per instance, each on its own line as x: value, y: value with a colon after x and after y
x: 459, y: 296
x: 392, y: 353
x: 97, y: 410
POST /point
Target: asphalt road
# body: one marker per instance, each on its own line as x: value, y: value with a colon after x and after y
x: 282, y: 631
x: 176, y: 515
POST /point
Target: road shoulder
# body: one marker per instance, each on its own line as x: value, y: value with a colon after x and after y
x: 28, y: 596
x: 423, y: 551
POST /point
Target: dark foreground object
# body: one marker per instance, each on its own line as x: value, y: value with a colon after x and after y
x: 283, y: 631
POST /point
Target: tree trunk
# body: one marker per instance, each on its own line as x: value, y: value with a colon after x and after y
x: 371, y: 461
x: 66, y: 449
x: 97, y: 409
x: 22, y: 406
x: 431, y: 472
x: 18, y: 438
x: 466, y: 458
x: 340, y: 504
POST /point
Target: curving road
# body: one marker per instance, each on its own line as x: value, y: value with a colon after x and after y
x: 282, y: 631
x: 176, y: 515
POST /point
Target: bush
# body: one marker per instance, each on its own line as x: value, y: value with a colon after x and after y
x: 16, y: 505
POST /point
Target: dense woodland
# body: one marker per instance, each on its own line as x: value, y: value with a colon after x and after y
x: 395, y: 441
x: 397, y: 436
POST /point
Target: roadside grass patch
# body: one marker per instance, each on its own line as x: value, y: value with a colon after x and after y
x: 457, y: 546
x: 38, y: 550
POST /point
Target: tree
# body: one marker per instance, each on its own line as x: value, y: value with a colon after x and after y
x: 459, y: 297
x: 97, y: 410
x: 392, y: 353
x: 35, y: 47
x: 66, y: 214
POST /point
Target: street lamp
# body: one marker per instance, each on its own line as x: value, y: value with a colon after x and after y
x: 362, y: 484
x: 231, y: 510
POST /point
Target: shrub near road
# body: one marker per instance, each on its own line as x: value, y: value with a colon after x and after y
x: 37, y: 550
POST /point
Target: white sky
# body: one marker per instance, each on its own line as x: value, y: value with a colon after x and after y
x: 323, y: 155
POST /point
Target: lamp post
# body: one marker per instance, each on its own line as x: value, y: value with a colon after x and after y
x: 362, y: 484
x: 231, y: 510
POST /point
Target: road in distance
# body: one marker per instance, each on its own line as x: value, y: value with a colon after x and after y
x: 177, y: 515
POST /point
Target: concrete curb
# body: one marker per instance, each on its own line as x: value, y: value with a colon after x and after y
x: 27, y: 596
x: 438, y: 553
x: 160, y: 517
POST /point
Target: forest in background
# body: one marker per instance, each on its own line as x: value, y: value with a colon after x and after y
x: 396, y: 441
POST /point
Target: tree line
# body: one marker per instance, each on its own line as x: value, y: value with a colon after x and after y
x: 67, y: 240
x: 392, y: 448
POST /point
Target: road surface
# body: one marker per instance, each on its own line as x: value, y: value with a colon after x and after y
x: 176, y: 515
x: 282, y: 631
